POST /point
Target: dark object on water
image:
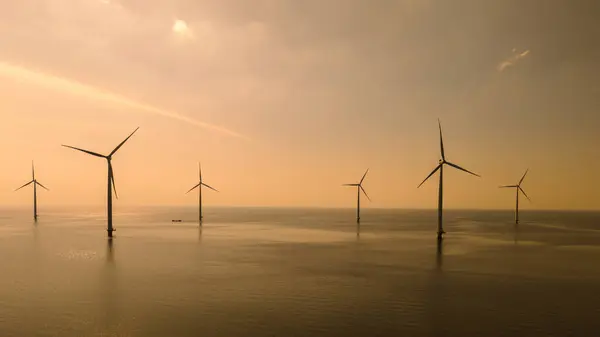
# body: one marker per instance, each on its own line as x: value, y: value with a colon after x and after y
x: 175, y: 220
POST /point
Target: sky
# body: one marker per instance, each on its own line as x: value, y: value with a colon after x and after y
x: 285, y: 101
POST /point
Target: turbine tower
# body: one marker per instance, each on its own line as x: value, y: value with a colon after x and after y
x: 440, y: 167
x: 35, y: 184
x: 518, y: 188
x: 199, y: 187
x: 358, y: 189
x: 111, y: 179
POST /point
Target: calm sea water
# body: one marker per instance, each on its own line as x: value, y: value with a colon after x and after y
x: 298, y: 272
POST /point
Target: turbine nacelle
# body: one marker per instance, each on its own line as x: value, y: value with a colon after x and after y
x: 359, y: 185
x: 442, y: 161
x: 200, y: 182
x: 32, y: 181
x: 518, y: 185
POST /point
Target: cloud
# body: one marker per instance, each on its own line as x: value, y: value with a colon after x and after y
x: 511, y: 61
x: 79, y: 89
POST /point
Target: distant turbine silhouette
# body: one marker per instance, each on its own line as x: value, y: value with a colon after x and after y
x: 358, y: 189
x: 111, y: 179
x: 35, y: 184
x: 199, y: 187
x: 518, y: 188
x: 440, y: 167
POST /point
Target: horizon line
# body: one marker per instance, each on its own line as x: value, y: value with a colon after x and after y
x: 306, y: 207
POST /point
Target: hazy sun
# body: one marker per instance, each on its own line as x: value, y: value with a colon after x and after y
x: 181, y: 27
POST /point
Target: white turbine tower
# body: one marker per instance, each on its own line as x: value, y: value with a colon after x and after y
x: 35, y: 184
x: 111, y: 179
x: 359, y: 188
x: 199, y: 187
x: 440, y: 167
x: 518, y: 188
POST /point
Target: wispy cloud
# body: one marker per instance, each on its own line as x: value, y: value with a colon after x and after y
x: 511, y: 61
x: 79, y: 89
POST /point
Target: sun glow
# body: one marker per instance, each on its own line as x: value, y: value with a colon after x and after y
x: 180, y: 27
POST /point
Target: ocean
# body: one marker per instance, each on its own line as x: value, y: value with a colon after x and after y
x: 298, y: 272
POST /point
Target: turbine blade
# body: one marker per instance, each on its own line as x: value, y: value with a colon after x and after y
x: 199, y: 172
x: 193, y: 188
x: 523, y: 178
x: 86, y: 151
x: 363, y: 190
x: 462, y: 169
x: 350, y: 184
x: 23, y: 186
x: 363, y: 177
x: 32, y: 171
x: 512, y: 186
x: 441, y: 141
x: 44, y: 187
x: 123, y: 142
x: 112, y: 179
x: 209, y: 187
x: 525, y: 194
x: 430, y: 174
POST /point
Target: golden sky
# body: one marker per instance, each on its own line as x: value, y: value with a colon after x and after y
x: 284, y: 101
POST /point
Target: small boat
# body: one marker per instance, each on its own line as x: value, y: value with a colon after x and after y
x: 175, y: 220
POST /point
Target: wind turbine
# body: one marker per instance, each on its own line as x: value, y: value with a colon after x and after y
x: 35, y: 184
x: 111, y: 179
x: 358, y: 189
x: 518, y: 188
x: 199, y: 187
x: 440, y: 167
